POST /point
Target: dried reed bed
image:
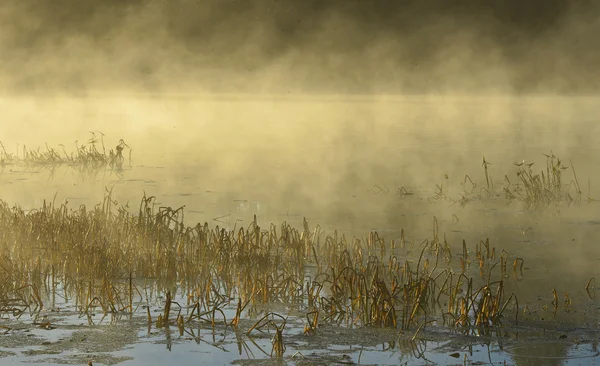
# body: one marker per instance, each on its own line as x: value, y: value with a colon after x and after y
x: 546, y: 188
x: 535, y: 191
x: 88, y: 157
x: 108, y: 258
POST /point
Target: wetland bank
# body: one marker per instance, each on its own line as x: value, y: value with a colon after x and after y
x: 410, y: 245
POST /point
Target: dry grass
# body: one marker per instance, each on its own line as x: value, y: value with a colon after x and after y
x: 110, y: 259
x: 88, y: 157
x: 535, y: 191
x: 546, y: 188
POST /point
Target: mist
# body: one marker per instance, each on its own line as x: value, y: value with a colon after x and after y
x: 308, y: 47
x: 306, y: 104
x: 415, y: 165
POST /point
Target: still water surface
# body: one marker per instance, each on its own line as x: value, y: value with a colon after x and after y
x: 339, y: 162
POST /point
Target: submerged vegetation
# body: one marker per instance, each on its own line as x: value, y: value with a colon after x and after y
x: 546, y: 188
x: 535, y: 191
x: 111, y: 260
x: 86, y: 157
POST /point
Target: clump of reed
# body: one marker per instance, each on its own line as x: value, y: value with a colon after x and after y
x: 546, y: 188
x: 536, y: 191
x: 106, y: 258
x: 91, y: 156
x: 363, y: 290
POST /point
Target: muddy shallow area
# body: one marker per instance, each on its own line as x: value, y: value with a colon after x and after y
x: 327, y: 165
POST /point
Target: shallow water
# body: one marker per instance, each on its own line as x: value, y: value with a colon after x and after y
x: 298, y: 152
x: 338, y: 162
x: 120, y: 343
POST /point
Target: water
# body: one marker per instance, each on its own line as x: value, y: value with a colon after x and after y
x: 338, y: 162
x: 308, y: 147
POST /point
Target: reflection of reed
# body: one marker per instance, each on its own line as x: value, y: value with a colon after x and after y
x: 533, y: 354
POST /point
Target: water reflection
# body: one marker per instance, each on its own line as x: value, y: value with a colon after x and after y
x: 554, y: 353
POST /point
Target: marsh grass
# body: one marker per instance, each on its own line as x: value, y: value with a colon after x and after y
x: 546, y: 188
x: 91, y: 156
x: 537, y: 191
x: 107, y: 259
x: 110, y: 260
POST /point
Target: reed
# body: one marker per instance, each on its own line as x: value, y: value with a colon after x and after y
x: 91, y: 156
x: 111, y: 260
x: 546, y: 188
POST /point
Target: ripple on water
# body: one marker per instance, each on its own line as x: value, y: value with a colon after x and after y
x: 553, y: 351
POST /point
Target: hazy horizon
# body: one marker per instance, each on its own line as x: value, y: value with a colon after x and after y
x: 304, y: 102
x: 309, y: 47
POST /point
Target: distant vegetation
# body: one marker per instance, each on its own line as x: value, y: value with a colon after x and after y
x: 88, y: 157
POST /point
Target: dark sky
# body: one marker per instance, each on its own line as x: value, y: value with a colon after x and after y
x: 353, y: 46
